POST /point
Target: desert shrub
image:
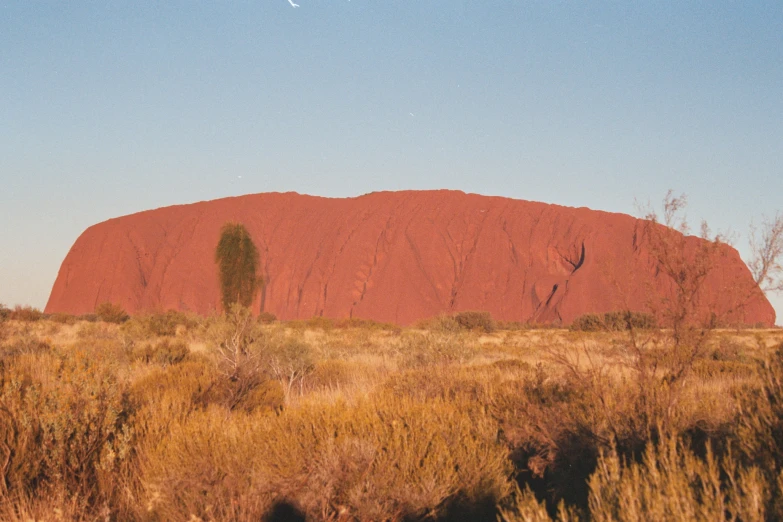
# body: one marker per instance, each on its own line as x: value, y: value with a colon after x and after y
x: 158, y: 324
x: 513, y: 326
x: 367, y: 324
x: 236, y: 340
x: 672, y: 483
x: 557, y: 421
x: 475, y: 320
x: 205, y: 470
x: 443, y: 382
x: 26, y: 313
x: 90, y: 318
x: 382, y: 460
x: 96, y: 330
x: 111, y: 313
x: 345, y: 377
x: 266, y: 318
x: 432, y: 348
x: 320, y: 323
x: 708, y: 369
x: 453, y: 323
x: 24, y: 344
x: 760, y: 427
x: 168, y: 395
x: 727, y: 349
x: 5, y: 312
x: 164, y: 352
x: 555, y: 427
x: 62, y: 318
x: 65, y: 422
x: 439, y: 323
x: 614, y: 322
x: 268, y: 395
x: 588, y: 323
x: 290, y: 361
x: 621, y: 321
x: 332, y: 374
x: 515, y: 366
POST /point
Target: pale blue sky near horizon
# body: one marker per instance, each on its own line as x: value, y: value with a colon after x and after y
x: 110, y: 108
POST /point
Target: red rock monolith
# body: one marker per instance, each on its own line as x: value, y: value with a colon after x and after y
x: 390, y: 256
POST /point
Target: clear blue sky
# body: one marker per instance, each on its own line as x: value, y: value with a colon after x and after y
x: 109, y: 108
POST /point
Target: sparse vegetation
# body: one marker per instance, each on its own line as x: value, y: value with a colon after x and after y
x: 111, y: 313
x: 766, y: 263
x: 614, y: 322
x: 26, y: 314
x: 236, y: 420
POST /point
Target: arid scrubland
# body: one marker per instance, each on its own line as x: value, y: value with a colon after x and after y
x: 173, y: 417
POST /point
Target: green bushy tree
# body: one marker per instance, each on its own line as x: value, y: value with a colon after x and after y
x: 237, y: 259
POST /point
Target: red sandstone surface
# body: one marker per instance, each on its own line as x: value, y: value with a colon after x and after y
x: 388, y: 256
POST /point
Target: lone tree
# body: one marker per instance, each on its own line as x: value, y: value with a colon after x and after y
x: 766, y: 262
x: 237, y: 259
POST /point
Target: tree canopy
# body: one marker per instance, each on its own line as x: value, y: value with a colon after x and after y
x: 238, y: 260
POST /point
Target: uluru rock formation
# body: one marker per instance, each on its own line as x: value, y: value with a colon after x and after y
x: 388, y: 256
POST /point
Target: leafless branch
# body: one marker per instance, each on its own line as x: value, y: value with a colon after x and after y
x: 766, y: 247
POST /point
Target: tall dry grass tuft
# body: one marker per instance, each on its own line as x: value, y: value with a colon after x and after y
x: 385, y: 459
x: 759, y: 434
x: 66, y: 427
x: 523, y: 506
x: 672, y: 483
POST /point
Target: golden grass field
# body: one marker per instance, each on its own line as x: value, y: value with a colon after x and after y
x: 172, y: 417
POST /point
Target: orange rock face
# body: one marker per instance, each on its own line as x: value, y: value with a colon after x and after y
x: 389, y: 256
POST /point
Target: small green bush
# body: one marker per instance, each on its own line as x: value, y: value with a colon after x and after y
x: 290, y: 361
x: 266, y: 318
x: 460, y: 321
x: 614, y: 322
x: 475, y: 320
x: 111, y: 313
x: 588, y: 323
x: 440, y: 323
x: 620, y: 321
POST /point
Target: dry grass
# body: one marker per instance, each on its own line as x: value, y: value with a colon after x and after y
x: 364, y: 421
